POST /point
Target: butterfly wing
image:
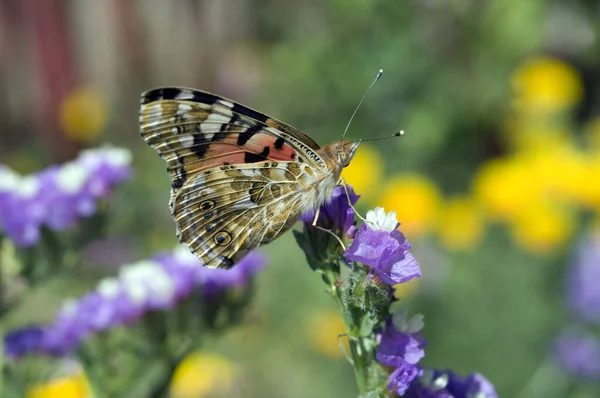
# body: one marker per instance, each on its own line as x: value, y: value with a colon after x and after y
x: 238, y: 177
x: 193, y: 131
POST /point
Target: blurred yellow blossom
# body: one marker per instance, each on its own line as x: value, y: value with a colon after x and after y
x: 543, y: 227
x: 201, y: 375
x: 324, y: 329
x: 546, y: 85
x: 416, y: 201
x: 365, y: 171
x: 532, y: 133
x: 573, y: 177
x: 75, y: 386
x: 504, y: 186
x: 403, y: 290
x: 461, y: 224
x: 83, y: 114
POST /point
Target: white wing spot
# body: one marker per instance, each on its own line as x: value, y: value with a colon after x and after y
x: 183, y: 108
x: 185, y: 95
x: 212, y: 119
x: 186, y: 141
x: 228, y: 104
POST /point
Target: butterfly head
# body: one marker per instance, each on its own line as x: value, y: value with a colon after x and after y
x: 345, y: 152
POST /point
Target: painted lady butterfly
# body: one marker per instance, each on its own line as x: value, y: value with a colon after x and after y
x: 239, y: 179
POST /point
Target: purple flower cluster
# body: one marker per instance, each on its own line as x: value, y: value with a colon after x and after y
x: 380, y: 246
x: 445, y: 384
x: 583, y: 294
x: 59, y: 195
x: 336, y: 214
x: 578, y: 352
x: 156, y: 284
x: 575, y: 349
x: 401, y: 351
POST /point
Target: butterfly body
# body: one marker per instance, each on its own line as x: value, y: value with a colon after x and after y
x: 239, y: 179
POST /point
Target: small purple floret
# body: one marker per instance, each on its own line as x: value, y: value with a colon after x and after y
x: 583, y: 294
x: 402, y: 377
x: 403, y: 352
x: 446, y: 384
x: 385, y: 253
x: 336, y: 214
x: 578, y: 352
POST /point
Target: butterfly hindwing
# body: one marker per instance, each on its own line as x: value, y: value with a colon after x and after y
x: 222, y: 213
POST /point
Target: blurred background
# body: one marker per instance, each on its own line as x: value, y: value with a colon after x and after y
x: 496, y: 181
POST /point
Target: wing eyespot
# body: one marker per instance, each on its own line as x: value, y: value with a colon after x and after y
x: 207, y: 205
x: 222, y: 238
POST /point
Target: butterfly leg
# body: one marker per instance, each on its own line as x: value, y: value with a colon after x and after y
x: 314, y: 224
x: 342, y: 182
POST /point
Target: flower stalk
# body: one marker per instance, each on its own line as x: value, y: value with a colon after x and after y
x: 385, y: 344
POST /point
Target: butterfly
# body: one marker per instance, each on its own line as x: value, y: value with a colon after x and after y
x: 239, y: 178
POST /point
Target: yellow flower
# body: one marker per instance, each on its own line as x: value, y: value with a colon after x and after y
x: 200, y: 375
x: 527, y: 133
x: 546, y: 85
x: 504, y: 186
x: 461, y: 224
x: 323, y: 331
x: 416, y: 201
x: 365, y: 171
x: 403, y: 290
x: 83, y: 114
x: 543, y: 227
x: 75, y: 386
x: 573, y: 177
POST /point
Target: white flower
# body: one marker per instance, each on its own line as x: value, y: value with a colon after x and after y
x: 183, y: 254
x: 71, y: 178
x: 114, y: 156
x: 378, y: 219
x: 9, y: 180
x: 147, y: 279
x: 28, y: 187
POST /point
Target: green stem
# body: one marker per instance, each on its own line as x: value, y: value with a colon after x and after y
x: 356, y: 349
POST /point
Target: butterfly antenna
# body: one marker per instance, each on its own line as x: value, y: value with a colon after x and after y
x: 398, y: 134
x: 361, y: 101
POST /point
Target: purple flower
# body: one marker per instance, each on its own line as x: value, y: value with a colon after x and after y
x: 400, y: 379
x: 397, y: 347
x: 59, y: 195
x: 20, y: 342
x: 214, y: 281
x: 22, y: 207
x: 402, y: 351
x: 337, y: 213
x: 474, y: 385
x: 156, y: 284
x: 578, y: 352
x: 446, y: 384
x: 583, y: 295
x: 384, y: 249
